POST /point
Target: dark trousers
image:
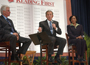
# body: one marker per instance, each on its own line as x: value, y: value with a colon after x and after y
x: 13, y: 40
x: 56, y: 41
x: 80, y: 46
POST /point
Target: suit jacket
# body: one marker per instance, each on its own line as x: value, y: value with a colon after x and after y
x: 5, y: 27
x: 74, y: 32
x: 46, y: 28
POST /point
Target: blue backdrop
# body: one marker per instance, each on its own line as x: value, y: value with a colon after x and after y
x: 81, y: 8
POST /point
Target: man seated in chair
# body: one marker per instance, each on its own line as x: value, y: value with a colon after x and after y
x: 51, y: 27
x: 8, y: 33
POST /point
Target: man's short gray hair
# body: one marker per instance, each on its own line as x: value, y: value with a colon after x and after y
x: 3, y: 8
x: 48, y: 11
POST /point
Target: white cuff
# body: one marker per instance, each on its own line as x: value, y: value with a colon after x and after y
x: 11, y: 33
x: 56, y: 29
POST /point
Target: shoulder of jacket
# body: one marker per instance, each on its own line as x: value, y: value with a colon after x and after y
x: 42, y: 21
x: 55, y: 21
x: 68, y: 25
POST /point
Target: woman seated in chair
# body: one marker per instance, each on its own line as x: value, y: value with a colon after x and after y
x: 76, y: 37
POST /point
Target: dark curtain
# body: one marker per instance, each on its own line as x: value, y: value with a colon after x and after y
x: 81, y: 8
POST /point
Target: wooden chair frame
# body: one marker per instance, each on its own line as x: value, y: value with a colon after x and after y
x: 45, y: 47
x: 71, y: 50
x: 6, y: 47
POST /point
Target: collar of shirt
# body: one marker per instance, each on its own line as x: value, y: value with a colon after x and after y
x: 73, y: 25
x: 49, y: 22
x: 4, y: 17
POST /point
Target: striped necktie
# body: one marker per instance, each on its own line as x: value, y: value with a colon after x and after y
x: 10, y: 24
x: 51, y: 28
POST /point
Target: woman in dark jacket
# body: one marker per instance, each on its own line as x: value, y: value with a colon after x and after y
x: 76, y: 37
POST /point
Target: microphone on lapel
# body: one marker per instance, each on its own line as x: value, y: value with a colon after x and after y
x: 52, y: 22
x: 53, y: 25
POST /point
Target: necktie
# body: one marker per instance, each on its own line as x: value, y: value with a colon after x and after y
x: 10, y: 24
x: 51, y: 28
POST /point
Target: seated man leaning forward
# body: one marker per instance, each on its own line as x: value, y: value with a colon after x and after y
x: 51, y: 27
x: 8, y: 33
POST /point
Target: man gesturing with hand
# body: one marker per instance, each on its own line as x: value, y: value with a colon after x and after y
x: 51, y: 27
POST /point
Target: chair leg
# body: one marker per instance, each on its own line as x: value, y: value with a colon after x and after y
x: 69, y: 57
x: 86, y: 57
x: 41, y: 57
x: 20, y: 63
x: 79, y: 63
x: 33, y: 58
x: 73, y: 56
x: 9, y: 58
x: 47, y: 56
x: 6, y: 57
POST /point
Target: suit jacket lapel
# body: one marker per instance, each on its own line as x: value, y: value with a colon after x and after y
x: 46, y: 23
x: 53, y: 28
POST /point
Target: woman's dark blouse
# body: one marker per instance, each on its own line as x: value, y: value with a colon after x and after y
x: 74, y: 32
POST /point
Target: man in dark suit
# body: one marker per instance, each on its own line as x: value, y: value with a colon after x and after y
x: 51, y: 27
x: 8, y: 33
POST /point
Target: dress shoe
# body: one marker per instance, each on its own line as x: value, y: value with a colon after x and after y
x: 50, y: 59
x: 79, y: 59
x: 12, y: 57
x: 18, y: 59
x: 58, y: 60
x: 15, y: 58
x: 82, y: 59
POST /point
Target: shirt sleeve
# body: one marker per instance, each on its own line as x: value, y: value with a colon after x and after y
x: 11, y: 33
x: 56, y: 29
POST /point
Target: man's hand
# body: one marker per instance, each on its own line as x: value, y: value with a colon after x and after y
x: 79, y: 37
x: 54, y: 26
x: 16, y: 34
x: 40, y: 29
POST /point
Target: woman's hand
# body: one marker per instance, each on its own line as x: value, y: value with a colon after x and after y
x: 79, y: 37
